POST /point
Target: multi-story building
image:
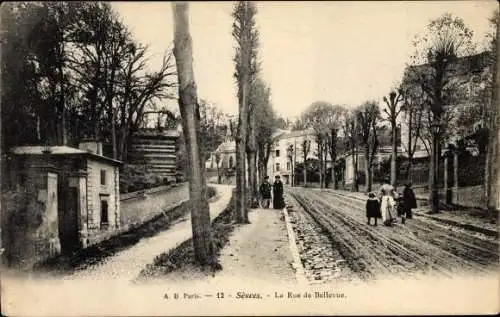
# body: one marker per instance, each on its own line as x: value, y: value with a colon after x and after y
x: 280, y: 162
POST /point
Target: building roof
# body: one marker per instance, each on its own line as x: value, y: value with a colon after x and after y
x: 153, y: 132
x: 59, y: 150
x: 294, y: 134
x: 226, y: 146
x: 277, y: 133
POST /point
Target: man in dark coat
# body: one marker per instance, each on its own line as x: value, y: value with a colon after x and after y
x: 409, y: 200
x: 278, y: 201
x: 265, y: 193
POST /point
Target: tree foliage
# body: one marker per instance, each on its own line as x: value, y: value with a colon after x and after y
x: 367, y: 117
x: 245, y: 35
x: 71, y: 70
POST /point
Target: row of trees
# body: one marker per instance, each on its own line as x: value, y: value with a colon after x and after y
x: 339, y: 130
x: 432, y: 82
x: 72, y: 70
x: 252, y: 132
x: 433, y: 88
x: 256, y: 119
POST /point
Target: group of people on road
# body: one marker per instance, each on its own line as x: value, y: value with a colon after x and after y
x: 272, y: 192
x: 389, y: 202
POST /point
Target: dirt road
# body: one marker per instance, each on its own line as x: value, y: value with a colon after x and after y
x: 366, y: 252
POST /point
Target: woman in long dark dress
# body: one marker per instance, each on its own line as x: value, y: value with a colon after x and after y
x: 278, y: 201
x: 409, y: 200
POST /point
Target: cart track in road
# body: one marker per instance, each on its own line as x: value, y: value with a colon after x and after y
x: 459, y: 243
x: 417, y: 247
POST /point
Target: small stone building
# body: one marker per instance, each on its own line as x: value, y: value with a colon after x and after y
x: 60, y: 199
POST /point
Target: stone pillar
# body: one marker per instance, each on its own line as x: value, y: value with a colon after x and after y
x: 80, y: 182
x: 33, y: 221
x: 455, y: 176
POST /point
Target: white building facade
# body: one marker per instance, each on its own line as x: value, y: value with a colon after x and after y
x: 280, y: 163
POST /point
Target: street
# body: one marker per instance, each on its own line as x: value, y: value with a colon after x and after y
x: 332, y: 231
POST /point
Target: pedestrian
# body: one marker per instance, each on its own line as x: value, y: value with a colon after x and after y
x: 372, y: 208
x: 400, y: 208
x: 409, y: 200
x: 387, y: 187
x: 387, y: 205
x: 278, y: 201
x: 265, y: 193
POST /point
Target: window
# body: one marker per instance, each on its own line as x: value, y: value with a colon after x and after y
x: 277, y: 167
x: 103, y: 177
x: 104, y: 213
x: 277, y: 154
x: 287, y: 166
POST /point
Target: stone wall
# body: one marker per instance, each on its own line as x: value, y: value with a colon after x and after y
x: 139, y: 210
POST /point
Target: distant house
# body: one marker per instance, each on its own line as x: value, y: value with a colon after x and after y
x: 279, y: 162
x: 60, y: 199
x: 226, y: 151
x: 156, y: 150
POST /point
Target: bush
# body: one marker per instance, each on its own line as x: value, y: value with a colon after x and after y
x: 134, y: 178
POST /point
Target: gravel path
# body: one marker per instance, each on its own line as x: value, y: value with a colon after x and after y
x: 419, y: 246
x: 126, y: 265
x: 259, y: 251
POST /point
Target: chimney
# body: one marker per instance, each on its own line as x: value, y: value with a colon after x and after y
x: 91, y: 146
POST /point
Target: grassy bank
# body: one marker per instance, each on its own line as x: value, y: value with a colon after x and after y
x: 182, y: 257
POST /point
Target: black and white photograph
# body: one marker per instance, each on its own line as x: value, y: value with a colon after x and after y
x: 249, y: 158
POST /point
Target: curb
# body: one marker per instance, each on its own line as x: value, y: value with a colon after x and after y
x: 467, y: 226
x: 297, y: 264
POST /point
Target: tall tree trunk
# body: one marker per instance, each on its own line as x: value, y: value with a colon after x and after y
x: 433, y: 169
x: 252, y: 159
x: 241, y: 200
x: 333, y: 156
x: 305, y: 172
x: 218, y: 173
x: 355, y: 170
x: 188, y: 104
x: 62, y: 100
x: 305, y: 151
x: 394, y: 154
x: 113, y: 134
x: 320, y: 157
x: 368, y: 185
x: 492, y: 176
x: 252, y: 179
x: 325, y: 158
x: 409, y: 175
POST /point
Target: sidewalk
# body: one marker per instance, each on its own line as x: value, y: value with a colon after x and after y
x: 257, y: 256
x: 259, y: 251
x: 461, y: 220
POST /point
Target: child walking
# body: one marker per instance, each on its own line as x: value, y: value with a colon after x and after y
x: 372, y: 208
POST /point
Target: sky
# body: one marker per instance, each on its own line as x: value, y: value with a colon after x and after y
x: 339, y: 52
